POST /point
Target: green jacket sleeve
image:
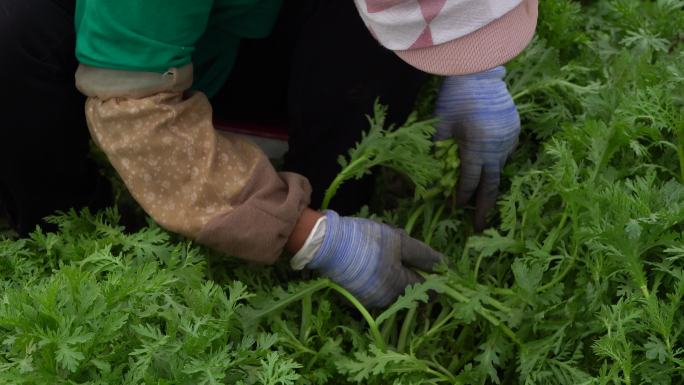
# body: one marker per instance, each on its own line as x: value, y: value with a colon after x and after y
x: 156, y: 35
x: 149, y: 35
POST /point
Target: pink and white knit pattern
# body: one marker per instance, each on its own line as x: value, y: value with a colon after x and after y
x: 411, y: 24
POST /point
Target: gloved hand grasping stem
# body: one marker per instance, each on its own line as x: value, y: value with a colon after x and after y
x: 370, y: 259
x: 479, y: 113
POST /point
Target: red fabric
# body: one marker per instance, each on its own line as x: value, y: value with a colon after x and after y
x: 274, y: 131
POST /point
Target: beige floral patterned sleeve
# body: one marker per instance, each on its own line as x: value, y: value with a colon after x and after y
x: 212, y: 187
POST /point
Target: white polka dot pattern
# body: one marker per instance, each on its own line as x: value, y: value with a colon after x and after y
x: 181, y: 170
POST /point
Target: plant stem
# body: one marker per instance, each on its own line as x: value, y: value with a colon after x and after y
x: 503, y: 291
x: 433, y: 223
x: 324, y: 283
x: 555, y: 233
x: 488, y: 300
x: 485, y: 314
x: 478, y: 261
x: 438, y: 325
x: 413, y: 218
x: 559, y: 277
x: 405, y: 329
x: 286, y: 332
x: 374, y: 330
x: 459, y: 364
x: 680, y: 155
x: 568, y: 268
x: 443, y: 372
x: 442, y: 376
x: 387, y: 327
x: 550, y: 83
x: 339, y: 179
x: 306, y: 318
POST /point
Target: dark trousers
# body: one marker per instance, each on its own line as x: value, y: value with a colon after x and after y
x: 320, y: 72
x: 43, y: 135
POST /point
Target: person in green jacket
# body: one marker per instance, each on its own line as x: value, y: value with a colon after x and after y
x: 147, y: 70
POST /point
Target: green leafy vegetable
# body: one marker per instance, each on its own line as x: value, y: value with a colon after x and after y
x: 579, y: 281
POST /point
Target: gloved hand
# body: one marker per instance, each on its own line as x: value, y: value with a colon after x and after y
x: 370, y: 259
x: 479, y: 113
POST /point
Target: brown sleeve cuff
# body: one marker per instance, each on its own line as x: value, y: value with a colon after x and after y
x: 213, y: 187
x: 263, y: 215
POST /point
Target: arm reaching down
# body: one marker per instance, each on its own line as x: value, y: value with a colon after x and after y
x: 210, y: 186
x: 207, y: 185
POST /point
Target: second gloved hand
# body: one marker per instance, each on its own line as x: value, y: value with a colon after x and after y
x: 479, y: 113
x: 370, y: 259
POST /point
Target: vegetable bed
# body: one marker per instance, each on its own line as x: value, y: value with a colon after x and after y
x: 579, y: 281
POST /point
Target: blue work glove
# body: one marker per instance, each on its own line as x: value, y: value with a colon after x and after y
x: 370, y: 259
x: 479, y: 113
